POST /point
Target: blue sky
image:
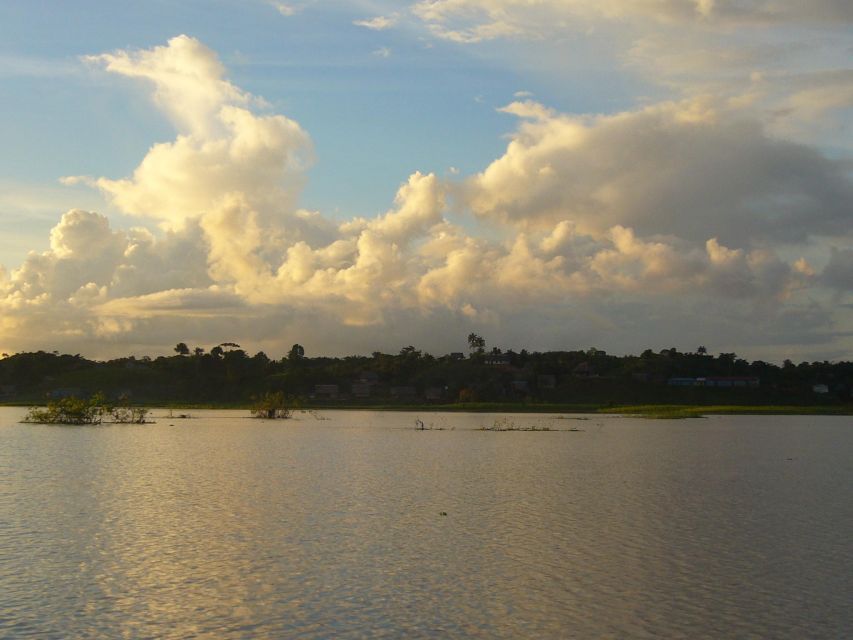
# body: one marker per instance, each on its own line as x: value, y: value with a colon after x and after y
x: 421, y: 108
x: 554, y: 165
x: 429, y: 106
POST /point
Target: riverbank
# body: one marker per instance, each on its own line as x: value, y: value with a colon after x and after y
x: 685, y: 411
x: 671, y: 411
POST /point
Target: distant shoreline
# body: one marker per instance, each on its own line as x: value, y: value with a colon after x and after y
x: 646, y: 410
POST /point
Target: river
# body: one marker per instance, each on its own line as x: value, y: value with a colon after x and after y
x: 345, y: 524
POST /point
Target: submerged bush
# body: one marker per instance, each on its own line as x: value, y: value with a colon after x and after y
x: 270, y: 406
x: 73, y: 410
x: 69, y: 410
x: 123, y: 413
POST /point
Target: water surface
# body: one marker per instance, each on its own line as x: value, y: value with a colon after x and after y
x: 227, y: 527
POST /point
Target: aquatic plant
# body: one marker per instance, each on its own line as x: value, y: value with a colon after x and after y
x: 271, y: 406
x: 505, y: 424
x: 125, y: 414
x: 78, y: 411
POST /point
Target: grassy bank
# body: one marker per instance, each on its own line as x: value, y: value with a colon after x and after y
x: 688, y: 411
x: 646, y: 410
x: 673, y: 411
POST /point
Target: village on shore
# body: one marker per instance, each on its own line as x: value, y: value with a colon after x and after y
x: 227, y: 375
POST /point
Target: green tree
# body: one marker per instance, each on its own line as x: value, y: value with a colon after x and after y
x: 297, y: 352
x: 476, y: 344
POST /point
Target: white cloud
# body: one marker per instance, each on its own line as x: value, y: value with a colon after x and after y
x: 799, y: 51
x: 382, y: 52
x: 693, y: 169
x: 284, y: 8
x: 677, y: 208
x: 188, y: 78
x: 379, y: 23
x: 478, y: 20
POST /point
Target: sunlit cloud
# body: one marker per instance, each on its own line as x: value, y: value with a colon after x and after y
x: 692, y: 168
x: 379, y: 23
x: 284, y: 8
x: 689, y: 207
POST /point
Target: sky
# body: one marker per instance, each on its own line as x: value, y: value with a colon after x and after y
x: 365, y: 175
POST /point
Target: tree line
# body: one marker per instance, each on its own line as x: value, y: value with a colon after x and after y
x: 226, y: 373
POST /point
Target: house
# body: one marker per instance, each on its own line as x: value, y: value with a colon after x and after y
x: 433, y: 394
x: 328, y: 391
x: 520, y: 386
x: 584, y: 370
x: 732, y: 381
x: 546, y: 381
x: 683, y: 382
x: 360, y: 389
x: 457, y: 355
x: 497, y: 360
x: 403, y: 393
x: 723, y: 382
x: 368, y: 377
x: 820, y: 388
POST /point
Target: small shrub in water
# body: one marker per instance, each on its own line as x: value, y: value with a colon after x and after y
x: 270, y: 406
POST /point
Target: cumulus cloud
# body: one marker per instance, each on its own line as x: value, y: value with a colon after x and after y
x: 222, y: 146
x: 187, y: 77
x: 676, y: 206
x: 690, y: 168
x: 760, y: 54
x: 838, y: 273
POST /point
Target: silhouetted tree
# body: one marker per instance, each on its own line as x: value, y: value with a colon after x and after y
x: 297, y: 352
x: 476, y: 344
x: 182, y: 349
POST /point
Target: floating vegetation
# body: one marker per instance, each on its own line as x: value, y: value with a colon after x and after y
x: 421, y: 426
x: 79, y: 411
x: 271, y: 406
x: 505, y: 424
x: 661, y: 412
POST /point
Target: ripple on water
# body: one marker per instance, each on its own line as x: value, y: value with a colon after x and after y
x: 230, y: 528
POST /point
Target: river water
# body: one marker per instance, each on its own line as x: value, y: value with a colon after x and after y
x: 333, y: 525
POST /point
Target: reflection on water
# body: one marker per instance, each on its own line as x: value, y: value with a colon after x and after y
x: 227, y: 527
